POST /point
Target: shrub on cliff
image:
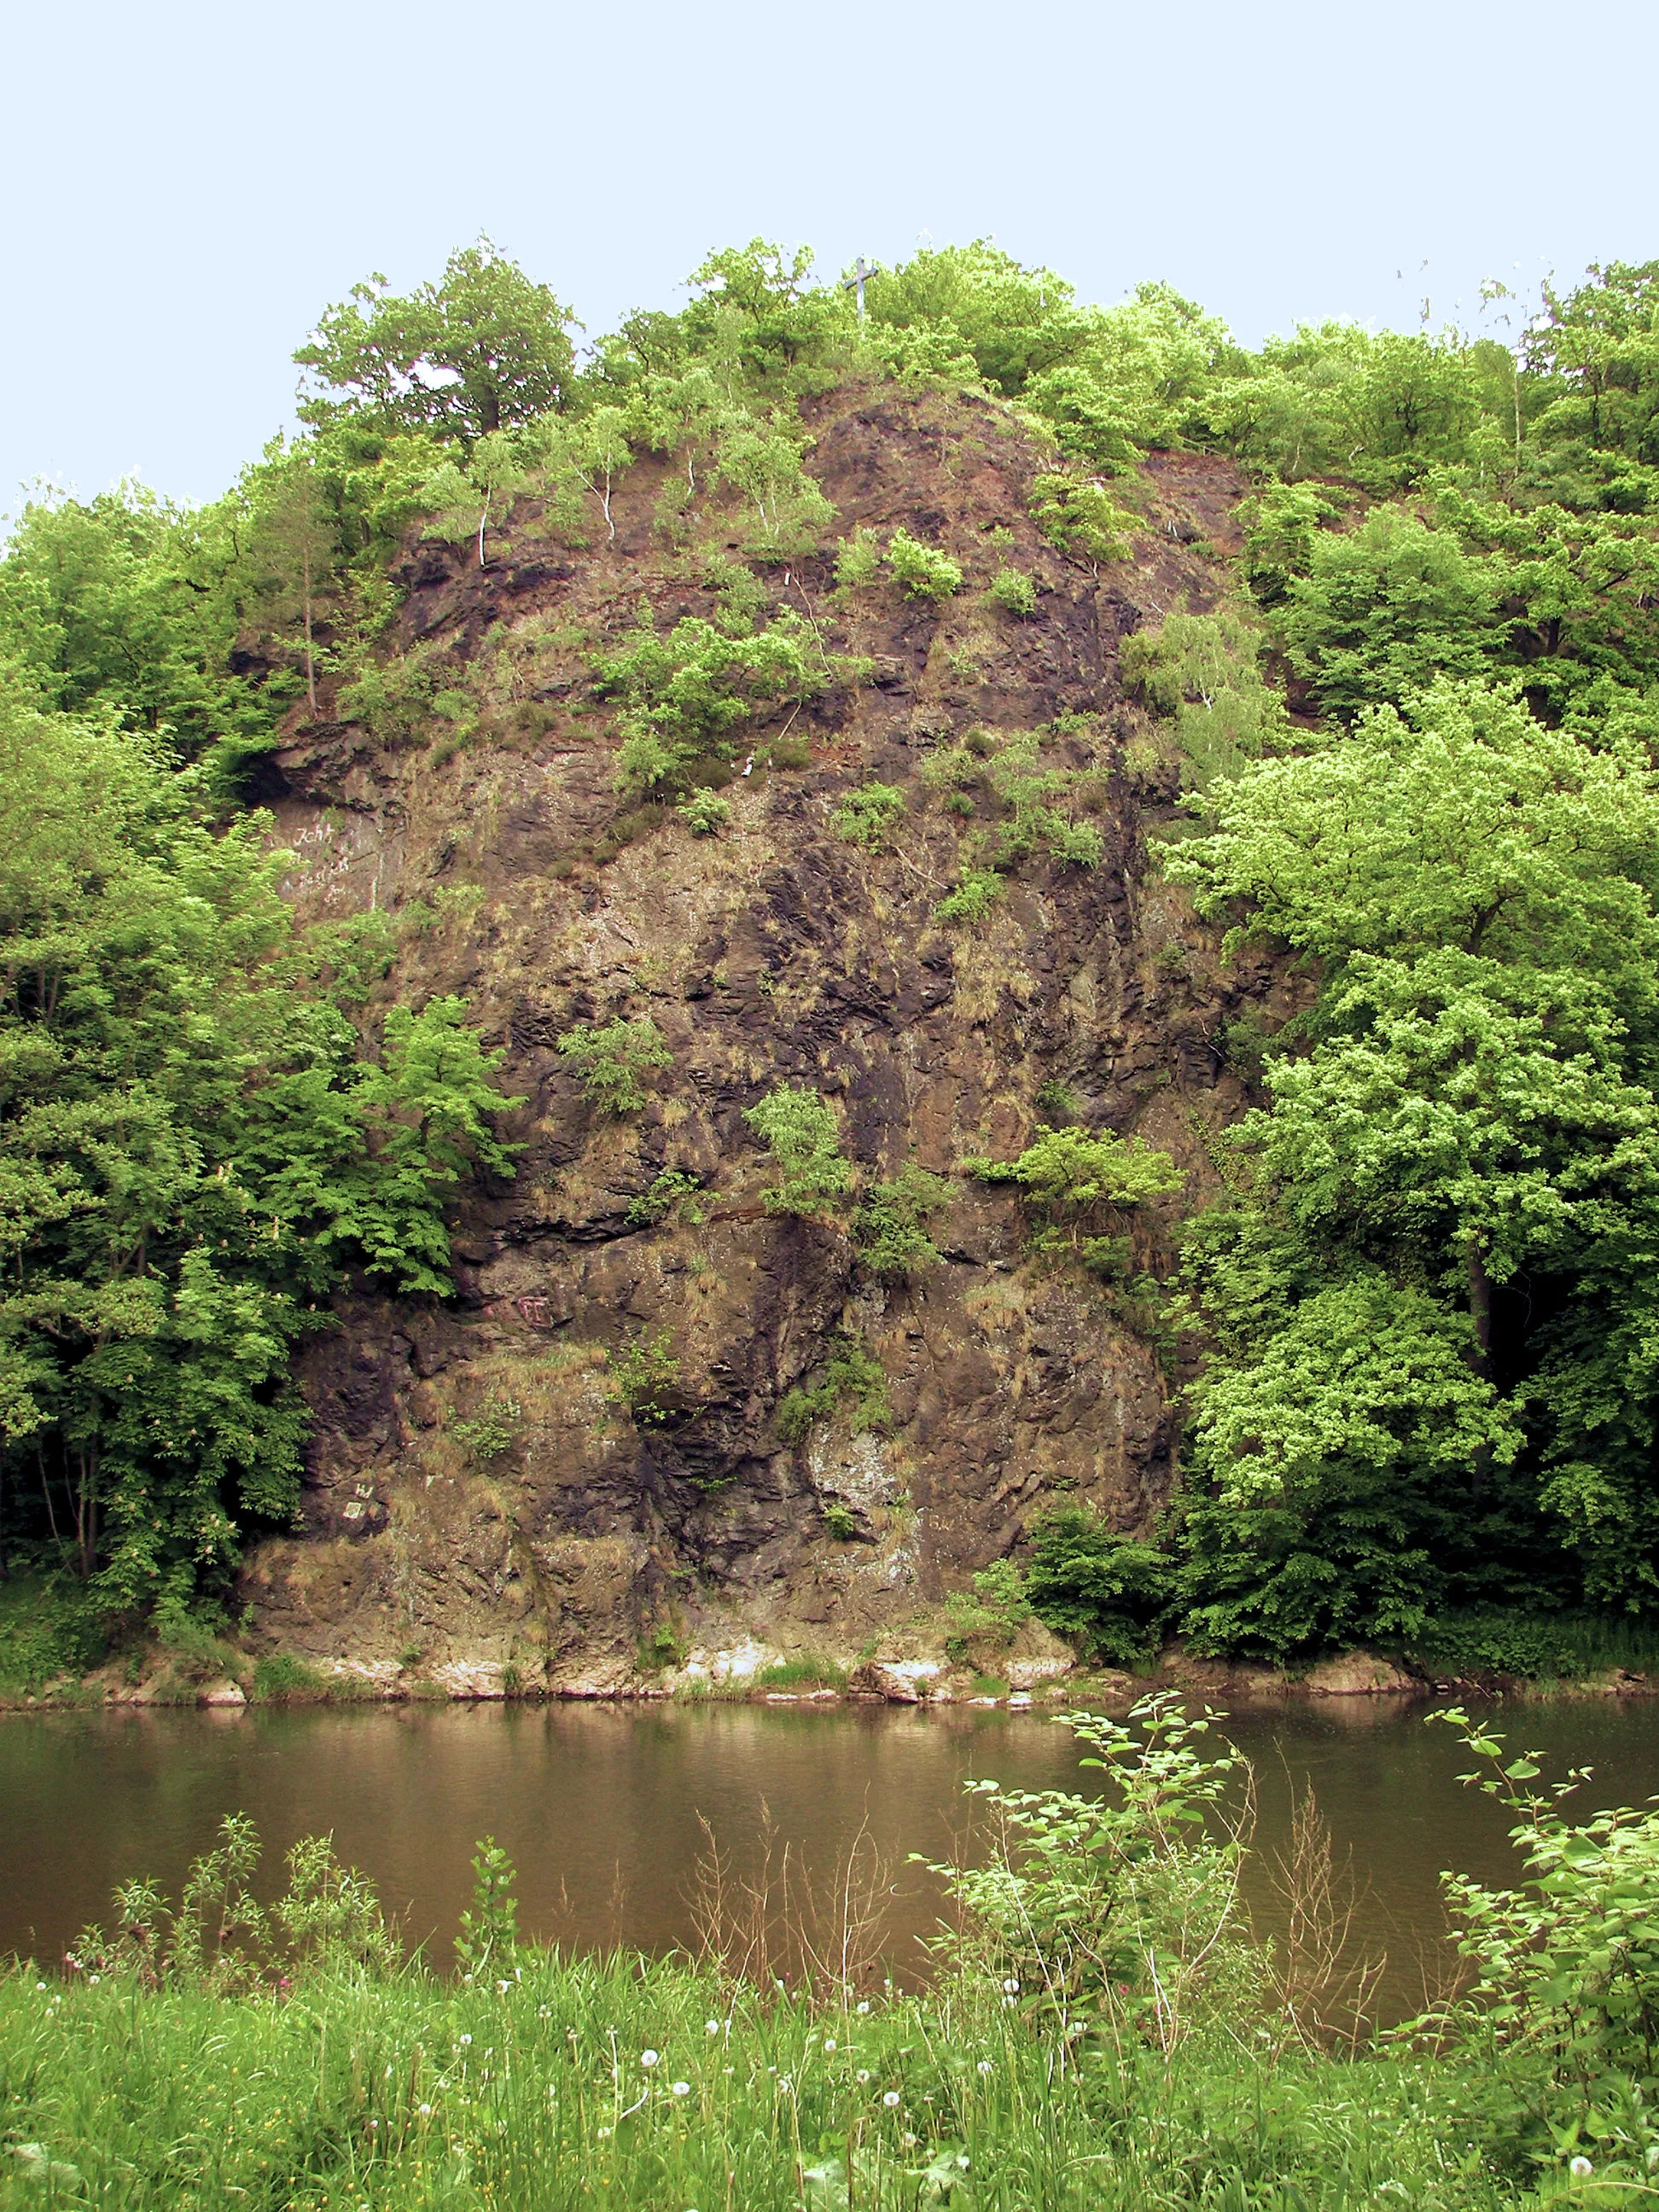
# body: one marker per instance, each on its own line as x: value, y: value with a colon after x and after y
x: 801, y: 1132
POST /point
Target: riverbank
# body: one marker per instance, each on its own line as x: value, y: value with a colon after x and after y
x: 631, y: 2082
x: 55, y: 1654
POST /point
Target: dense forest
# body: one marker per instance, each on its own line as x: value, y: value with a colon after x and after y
x: 1419, y: 1340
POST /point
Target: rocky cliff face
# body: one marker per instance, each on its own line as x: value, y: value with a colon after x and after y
x: 481, y: 1504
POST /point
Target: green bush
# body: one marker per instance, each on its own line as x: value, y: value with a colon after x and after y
x: 889, y: 1226
x: 1124, y: 1908
x: 611, y: 1060
x: 673, y: 1192
x: 858, y: 562
x: 1110, y: 1595
x: 1013, y: 589
x: 991, y: 1617
x: 494, y: 1430
x: 924, y: 572
x: 852, y: 1372
x: 489, y: 1931
x: 1533, y: 1644
x: 801, y: 1132
x: 647, y: 1375
x: 48, y: 1628
x: 1080, y: 516
x: 1068, y: 1171
x: 864, y: 817
x: 977, y: 891
x: 1558, y: 2024
x: 704, y: 813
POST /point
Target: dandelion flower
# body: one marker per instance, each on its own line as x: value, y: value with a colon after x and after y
x: 864, y: 2004
x: 1580, y: 2169
x: 425, y: 2111
x: 986, y: 2067
x: 94, y: 1979
x: 908, y: 2140
x: 890, y: 2097
x: 39, y: 1985
x: 828, y: 2042
x: 682, y: 2088
x: 711, y: 2027
x: 863, y: 2076
x: 1011, y: 1986
x: 467, y: 2039
x: 647, y: 2059
x: 503, y: 1987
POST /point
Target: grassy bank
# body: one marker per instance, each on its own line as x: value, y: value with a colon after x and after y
x: 405, y: 2092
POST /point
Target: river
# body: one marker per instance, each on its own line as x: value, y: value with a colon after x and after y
x: 601, y: 1806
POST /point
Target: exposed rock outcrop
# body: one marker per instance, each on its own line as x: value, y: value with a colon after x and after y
x: 572, y: 1545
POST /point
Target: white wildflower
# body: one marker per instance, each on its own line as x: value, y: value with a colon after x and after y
x: 890, y: 2097
x: 682, y: 2088
x: 648, y: 2059
x: 1580, y: 2168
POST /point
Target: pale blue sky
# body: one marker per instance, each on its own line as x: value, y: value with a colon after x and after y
x: 190, y: 183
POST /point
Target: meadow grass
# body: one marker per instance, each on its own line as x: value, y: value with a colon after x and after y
x: 640, y: 2082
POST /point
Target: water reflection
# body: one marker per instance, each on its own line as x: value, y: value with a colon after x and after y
x: 601, y: 1806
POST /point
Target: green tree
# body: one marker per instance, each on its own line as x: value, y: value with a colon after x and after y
x: 193, y: 1148
x: 482, y: 350
x: 293, y: 546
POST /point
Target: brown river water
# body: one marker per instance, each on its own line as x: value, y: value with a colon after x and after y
x: 600, y: 1805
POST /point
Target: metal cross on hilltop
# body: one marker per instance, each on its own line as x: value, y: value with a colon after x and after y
x: 855, y: 283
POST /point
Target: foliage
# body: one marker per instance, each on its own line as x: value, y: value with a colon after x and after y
x: 1531, y: 1644
x: 481, y: 350
x: 921, y: 570
x: 194, y: 1151
x: 1069, y: 1170
x: 858, y: 562
x: 981, y: 1624
x: 674, y: 1191
x: 1473, y: 1112
x: 493, y: 1430
x: 802, y: 1136
x: 1202, y: 670
x: 889, y: 1228
x: 704, y: 813
x: 219, y: 1940
x: 1386, y: 609
x: 612, y: 1058
x: 1013, y: 591
x: 1563, y: 2011
x: 489, y: 1931
x: 389, y: 2089
x: 1123, y: 1908
x: 851, y: 1372
x: 865, y: 816
x: 1080, y: 516
x: 686, y: 695
x: 647, y: 1374
x: 1111, y: 1594
x: 975, y: 892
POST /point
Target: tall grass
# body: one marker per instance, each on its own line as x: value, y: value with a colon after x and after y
x: 630, y: 2081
